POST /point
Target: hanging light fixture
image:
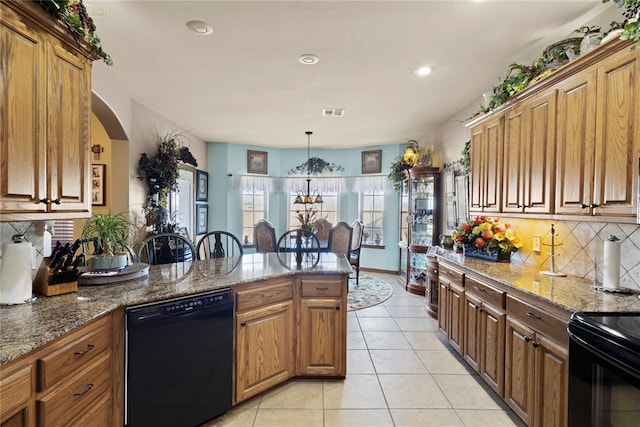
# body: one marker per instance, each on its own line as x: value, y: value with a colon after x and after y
x: 308, y: 198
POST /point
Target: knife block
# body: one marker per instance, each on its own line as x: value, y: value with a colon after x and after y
x: 41, y: 283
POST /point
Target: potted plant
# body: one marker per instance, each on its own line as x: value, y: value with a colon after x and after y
x: 160, y: 173
x: 109, y: 233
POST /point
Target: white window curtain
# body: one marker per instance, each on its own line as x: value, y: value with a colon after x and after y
x: 329, y: 184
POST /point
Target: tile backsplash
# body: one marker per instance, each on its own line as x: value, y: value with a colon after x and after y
x: 580, y: 246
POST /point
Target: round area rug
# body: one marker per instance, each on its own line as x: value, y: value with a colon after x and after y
x: 369, y: 292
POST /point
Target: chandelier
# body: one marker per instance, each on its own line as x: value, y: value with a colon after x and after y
x: 308, y: 198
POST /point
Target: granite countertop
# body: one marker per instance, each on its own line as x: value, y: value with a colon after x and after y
x: 569, y: 293
x: 26, y: 327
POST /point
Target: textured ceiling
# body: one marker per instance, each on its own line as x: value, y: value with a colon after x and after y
x: 243, y: 84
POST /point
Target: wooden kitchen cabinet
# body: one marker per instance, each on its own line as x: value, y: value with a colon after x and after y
x: 484, y: 331
x: 45, y: 101
x: 536, y: 365
x: 264, y: 333
x: 529, y: 141
x: 67, y: 383
x: 451, y: 308
x: 432, y: 286
x: 323, y: 319
x: 17, y: 407
x: 487, y: 140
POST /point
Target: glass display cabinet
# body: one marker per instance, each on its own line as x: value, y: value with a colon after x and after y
x: 423, y: 228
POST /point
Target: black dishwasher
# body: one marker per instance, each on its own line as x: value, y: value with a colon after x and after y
x: 178, y: 361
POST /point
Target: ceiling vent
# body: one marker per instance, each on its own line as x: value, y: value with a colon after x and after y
x: 333, y: 112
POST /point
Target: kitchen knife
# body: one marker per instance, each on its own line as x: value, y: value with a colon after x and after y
x: 71, y: 254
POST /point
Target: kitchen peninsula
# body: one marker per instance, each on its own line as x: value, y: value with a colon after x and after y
x: 53, y: 347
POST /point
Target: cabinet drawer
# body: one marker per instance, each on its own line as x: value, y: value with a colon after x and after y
x: 15, y: 391
x: 78, y: 349
x: 432, y: 267
x: 486, y: 293
x: 71, y: 400
x: 264, y: 294
x: 538, y: 319
x: 450, y: 273
x: 321, y: 288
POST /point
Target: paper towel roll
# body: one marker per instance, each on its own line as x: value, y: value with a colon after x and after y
x: 15, y: 273
x: 611, y: 271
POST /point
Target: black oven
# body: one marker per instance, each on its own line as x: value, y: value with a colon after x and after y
x: 604, y: 370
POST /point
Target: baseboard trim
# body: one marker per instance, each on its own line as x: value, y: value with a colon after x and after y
x: 379, y: 270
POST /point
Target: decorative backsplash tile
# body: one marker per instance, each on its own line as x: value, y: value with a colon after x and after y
x: 579, y: 246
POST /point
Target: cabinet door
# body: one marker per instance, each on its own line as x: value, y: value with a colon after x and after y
x: 17, y: 399
x: 321, y: 338
x: 492, y: 326
x: 476, y: 178
x: 486, y: 166
x: 472, y: 331
x: 443, y: 306
x: 22, y: 114
x: 514, y: 159
x: 456, y: 318
x: 519, y: 369
x: 551, y: 383
x: 69, y: 107
x: 538, y: 153
x: 575, y: 143
x: 617, y: 135
x: 264, y: 349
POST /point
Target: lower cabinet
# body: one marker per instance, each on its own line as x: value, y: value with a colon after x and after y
x: 431, y: 287
x: 519, y: 348
x: 287, y: 327
x: 322, y: 331
x: 536, y: 373
x: 66, y: 383
x: 451, y: 305
x: 264, y: 349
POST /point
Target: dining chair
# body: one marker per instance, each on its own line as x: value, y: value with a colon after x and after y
x: 219, y: 244
x: 264, y: 236
x: 166, y: 248
x: 322, y: 227
x: 356, y: 244
x: 340, y: 238
x: 300, y: 247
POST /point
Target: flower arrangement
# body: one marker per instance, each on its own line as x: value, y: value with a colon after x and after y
x: 307, y: 218
x: 487, y: 235
x: 314, y: 166
x: 74, y: 14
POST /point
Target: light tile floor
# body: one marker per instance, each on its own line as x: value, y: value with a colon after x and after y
x: 400, y: 372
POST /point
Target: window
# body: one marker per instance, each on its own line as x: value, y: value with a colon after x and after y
x: 328, y: 209
x: 253, y: 210
x: 373, y: 217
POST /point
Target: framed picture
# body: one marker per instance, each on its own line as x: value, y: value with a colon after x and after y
x: 202, y: 186
x: 202, y: 219
x: 98, y: 180
x: 372, y: 161
x: 257, y: 161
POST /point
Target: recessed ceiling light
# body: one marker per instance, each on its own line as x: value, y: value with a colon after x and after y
x: 200, y: 27
x: 423, y: 71
x: 308, y: 59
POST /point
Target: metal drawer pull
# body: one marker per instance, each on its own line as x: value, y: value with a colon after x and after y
x: 267, y: 295
x: 533, y: 316
x: 479, y: 289
x: 86, y: 350
x: 44, y: 201
x: 324, y: 288
x: 84, y: 391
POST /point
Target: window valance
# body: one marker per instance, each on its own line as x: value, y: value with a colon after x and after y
x: 330, y: 184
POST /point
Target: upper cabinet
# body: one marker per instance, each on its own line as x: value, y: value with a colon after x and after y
x: 567, y: 146
x: 487, y: 141
x: 45, y: 108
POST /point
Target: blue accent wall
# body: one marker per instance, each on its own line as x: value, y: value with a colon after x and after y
x: 225, y: 205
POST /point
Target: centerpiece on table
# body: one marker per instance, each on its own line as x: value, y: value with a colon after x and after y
x: 307, y: 219
x: 487, y: 238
